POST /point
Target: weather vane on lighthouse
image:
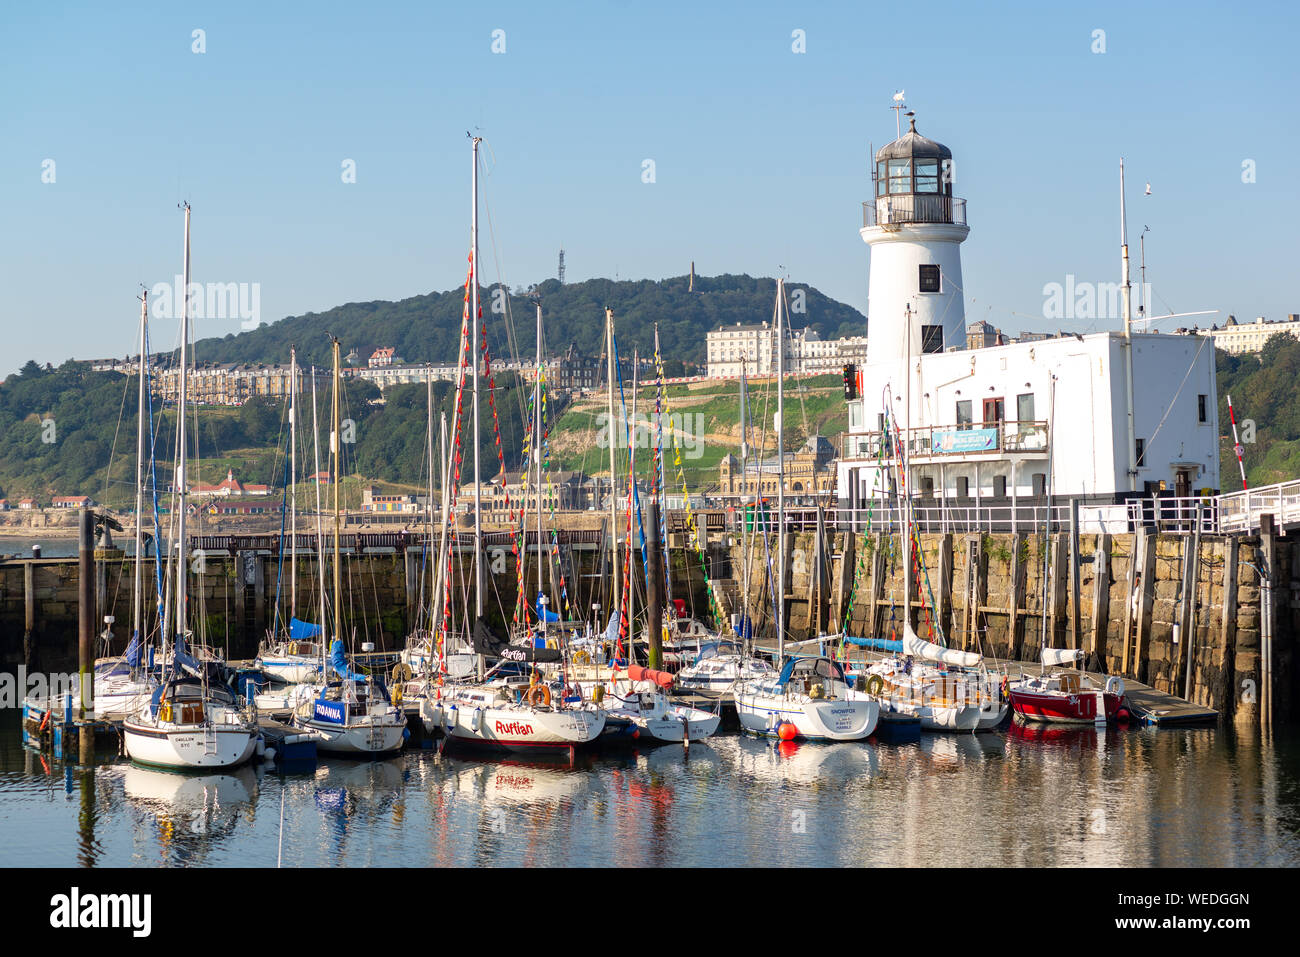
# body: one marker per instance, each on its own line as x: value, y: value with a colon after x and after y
x: 898, y: 105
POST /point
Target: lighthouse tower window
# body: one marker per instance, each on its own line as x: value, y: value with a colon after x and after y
x: 929, y: 278
x: 931, y: 339
x: 927, y: 176
x: 900, y: 176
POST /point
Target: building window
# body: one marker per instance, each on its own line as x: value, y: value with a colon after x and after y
x: 1000, y: 486
x: 1025, y: 407
x: 1040, y: 483
x: 1202, y: 408
x: 963, y: 414
x: 929, y: 277
x: 1141, y: 450
x: 931, y: 339
x: 963, y: 486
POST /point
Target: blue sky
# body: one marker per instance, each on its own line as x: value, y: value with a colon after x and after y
x: 761, y: 154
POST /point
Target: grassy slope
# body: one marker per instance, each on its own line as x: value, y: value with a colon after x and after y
x: 575, y: 440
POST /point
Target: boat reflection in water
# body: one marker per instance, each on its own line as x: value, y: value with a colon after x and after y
x: 1071, y: 737
x: 955, y: 750
x: 191, y: 813
x: 806, y: 763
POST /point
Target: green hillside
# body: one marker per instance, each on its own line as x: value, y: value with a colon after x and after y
x: 427, y: 328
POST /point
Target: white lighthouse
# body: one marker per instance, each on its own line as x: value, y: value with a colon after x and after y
x: 915, y: 228
x: 1037, y: 421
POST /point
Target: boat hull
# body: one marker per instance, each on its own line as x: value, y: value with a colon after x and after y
x: 359, y: 738
x: 1055, y: 707
x: 188, y: 746
x: 835, y: 719
x: 513, y: 729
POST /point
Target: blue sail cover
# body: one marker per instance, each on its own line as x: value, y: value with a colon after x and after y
x: 300, y: 630
x: 542, y: 613
x: 877, y: 644
x: 339, y: 664
x: 132, y: 653
x: 746, y: 630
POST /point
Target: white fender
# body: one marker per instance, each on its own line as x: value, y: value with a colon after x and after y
x: 1115, y: 685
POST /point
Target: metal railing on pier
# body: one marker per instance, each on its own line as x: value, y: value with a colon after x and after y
x: 950, y: 442
x: 1242, y: 511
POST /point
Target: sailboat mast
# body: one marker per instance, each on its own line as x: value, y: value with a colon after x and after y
x: 780, y: 466
x: 537, y: 456
x: 1128, y: 333
x: 632, y: 504
x: 428, y: 510
x: 336, y: 450
x: 320, y: 538
x: 744, y: 500
x: 474, y: 322
x: 181, y: 387
x: 137, y: 587
x: 907, y: 478
x: 613, y: 440
x: 293, y: 483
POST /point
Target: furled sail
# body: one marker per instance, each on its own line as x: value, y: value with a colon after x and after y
x: 920, y: 648
x: 1060, y: 656
x: 489, y: 645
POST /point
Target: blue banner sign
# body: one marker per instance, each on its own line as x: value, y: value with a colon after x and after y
x: 331, y: 712
x: 964, y: 440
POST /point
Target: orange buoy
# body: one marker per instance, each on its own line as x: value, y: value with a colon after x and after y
x: 786, y: 731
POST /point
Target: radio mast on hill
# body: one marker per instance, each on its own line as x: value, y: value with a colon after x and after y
x: 560, y: 271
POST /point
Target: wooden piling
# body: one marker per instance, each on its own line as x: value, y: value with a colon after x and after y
x: 1100, y: 595
x: 1018, y: 576
x: 944, y: 598
x: 86, y: 611
x: 1075, y: 637
x: 1228, y: 626
x: 1059, y: 578
x: 29, y: 614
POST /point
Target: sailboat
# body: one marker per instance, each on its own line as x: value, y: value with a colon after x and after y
x: 123, y: 685
x: 354, y: 714
x: 293, y: 657
x: 810, y: 698
x: 718, y: 664
x: 190, y: 721
x: 513, y: 712
x: 947, y: 689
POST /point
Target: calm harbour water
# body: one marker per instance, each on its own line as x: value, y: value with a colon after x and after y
x: 1141, y: 797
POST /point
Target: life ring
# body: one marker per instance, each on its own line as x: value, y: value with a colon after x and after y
x: 1115, y: 685
x: 581, y: 658
x: 401, y: 672
x: 875, y: 685
x: 539, y: 695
